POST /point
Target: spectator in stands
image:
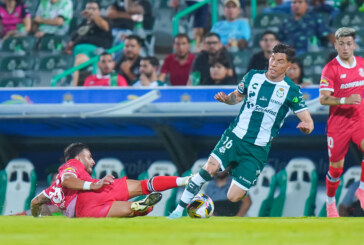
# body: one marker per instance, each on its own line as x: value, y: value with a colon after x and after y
x: 128, y: 65
x: 90, y: 36
x: 178, y: 65
x: 200, y: 22
x: 148, y: 73
x: 107, y: 76
x: 219, y: 68
x: 53, y: 17
x: 200, y: 71
x: 296, y: 73
x: 217, y: 190
x: 350, y: 205
x: 299, y: 29
x: 124, y: 13
x: 260, y: 60
x: 234, y: 32
x: 14, y: 18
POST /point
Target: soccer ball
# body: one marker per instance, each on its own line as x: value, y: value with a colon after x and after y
x: 201, y: 206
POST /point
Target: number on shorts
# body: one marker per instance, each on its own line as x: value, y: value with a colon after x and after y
x: 330, y: 142
x: 228, y: 143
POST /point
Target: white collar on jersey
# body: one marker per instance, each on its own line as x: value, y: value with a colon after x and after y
x: 100, y: 76
x: 345, y: 65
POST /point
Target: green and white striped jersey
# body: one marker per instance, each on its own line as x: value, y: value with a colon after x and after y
x: 265, y: 107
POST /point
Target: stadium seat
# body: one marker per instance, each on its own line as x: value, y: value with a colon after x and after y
x: 18, y: 82
x: 168, y: 202
x: 14, y: 44
x: 241, y: 61
x: 351, y: 175
x: 32, y: 5
x: 53, y: 43
x: 271, y: 21
x: 13, y: 63
x: 50, y: 66
x: 107, y: 166
x: 17, y: 186
x: 297, y: 185
x: 314, y: 62
x: 260, y: 191
x: 354, y: 20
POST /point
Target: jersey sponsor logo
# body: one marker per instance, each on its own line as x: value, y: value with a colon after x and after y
x: 295, y: 99
x: 343, y: 76
x: 276, y: 102
x: 280, y: 92
x: 352, y: 84
x: 265, y: 110
x: 222, y: 149
x: 324, y: 82
x: 254, y: 86
x: 361, y: 72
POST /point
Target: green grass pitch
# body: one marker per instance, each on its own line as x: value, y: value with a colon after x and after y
x: 159, y: 230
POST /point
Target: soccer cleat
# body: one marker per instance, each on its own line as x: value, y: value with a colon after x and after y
x: 143, y: 213
x: 151, y: 200
x: 359, y: 193
x: 175, y: 215
x: 331, y: 210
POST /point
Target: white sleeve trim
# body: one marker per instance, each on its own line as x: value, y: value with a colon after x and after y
x: 327, y: 89
x: 67, y: 173
x: 303, y: 109
x: 44, y: 193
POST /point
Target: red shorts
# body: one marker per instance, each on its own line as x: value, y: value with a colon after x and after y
x: 338, y: 142
x: 98, y: 203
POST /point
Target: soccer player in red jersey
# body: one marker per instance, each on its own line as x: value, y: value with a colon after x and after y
x: 78, y: 195
x: 341, y: 88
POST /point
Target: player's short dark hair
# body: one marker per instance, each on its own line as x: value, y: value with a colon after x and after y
x: 345, y: 32
x: 73, y: 150
x: 211, y: 34
x: 136, y: 38
x: 269, y: 32
x: 181, y: 35
x: 95, y: 1
x: 285, y: 49
x: 152, y: 60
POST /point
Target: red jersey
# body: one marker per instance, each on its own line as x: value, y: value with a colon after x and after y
x: 98, y: 80
x: 343, y: 81
x: 60, y: 196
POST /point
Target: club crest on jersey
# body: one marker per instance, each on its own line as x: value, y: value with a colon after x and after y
x: 280, y: 92
x: 361, y: 72
x: 343, y: 76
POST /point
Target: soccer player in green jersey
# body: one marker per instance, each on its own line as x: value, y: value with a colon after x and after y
x: 268, y: 97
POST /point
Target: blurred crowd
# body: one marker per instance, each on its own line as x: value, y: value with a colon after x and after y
x: 218, y: 54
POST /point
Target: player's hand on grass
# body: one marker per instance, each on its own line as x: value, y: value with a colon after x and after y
x: 353, y: 99
x: 221, y: 96
x: 305, y: 127
x: 107, y: 180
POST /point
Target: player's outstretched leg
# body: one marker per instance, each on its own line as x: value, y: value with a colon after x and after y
x: 143, y: 205
x: 192, y: 188
x: 162, y: 183
x: 360, y: 191
x: 332, y: 182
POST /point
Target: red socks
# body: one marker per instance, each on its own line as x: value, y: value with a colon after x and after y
x: 158, y: 184
x: 333, y: 180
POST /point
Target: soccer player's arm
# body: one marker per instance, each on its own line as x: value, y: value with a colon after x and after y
x: 237, y: 95
x: 306, y: 125
x: 327, y: 90
x: 72, y: 182
x: 298, y: 105
x: 36, y: 204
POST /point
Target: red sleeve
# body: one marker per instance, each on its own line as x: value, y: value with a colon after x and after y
x: 327, y: 78
x: 122, y: 81
x: 165, y: 68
